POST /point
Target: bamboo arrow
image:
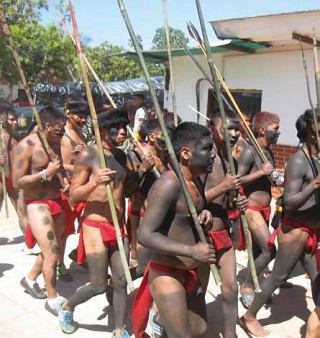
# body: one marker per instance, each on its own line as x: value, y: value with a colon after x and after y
x: 174, y: 160
x: 227, y: 141
x: 41, y: 133
x: 100, y: 148
x: 172, y: 87
x: 317, y: 78
x: 102, y: 86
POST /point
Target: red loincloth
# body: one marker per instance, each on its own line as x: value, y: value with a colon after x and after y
x: 9, y: 183
x: 220, y: 239
x: 234, y: 214
x: 108, y: 235
x: 134, y: 212
x: 312, y: 241
x: 143, y: 298
x: 71, y: 215
x: 265, y: 212
x: 55, y: 208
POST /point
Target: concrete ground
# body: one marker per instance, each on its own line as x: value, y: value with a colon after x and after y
x: 23, y: 316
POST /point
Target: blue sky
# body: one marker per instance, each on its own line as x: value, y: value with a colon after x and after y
x: 101, y: 20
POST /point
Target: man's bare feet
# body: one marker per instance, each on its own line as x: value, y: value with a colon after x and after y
x: 253, y: 327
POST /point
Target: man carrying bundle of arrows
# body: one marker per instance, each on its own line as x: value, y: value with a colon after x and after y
x: 98, y: 240
x: 298, y: 232
x: 220, y: 187
x: 256, y: 182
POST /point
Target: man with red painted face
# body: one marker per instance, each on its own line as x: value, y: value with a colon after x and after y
x: 257, y: 187
x: 298, y: 232
x: 98, y: 237
x: 220, y: 186
x: 37, y: 177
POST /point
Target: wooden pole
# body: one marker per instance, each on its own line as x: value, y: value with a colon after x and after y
x: 317, y: 78
x: 246, y: 128
x: 174, y: 160
x: 42, y: 136
x: 130, y: 132
x: 172, y: 86
x: 3, y: 174
x: 227, y: 141
x: 100, y: 148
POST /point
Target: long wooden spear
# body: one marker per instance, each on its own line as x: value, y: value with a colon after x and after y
x: 52, y: 156
x: 192, y: 30
x: 173, y: 158
x: 172, y: 86
x: 104, y: 89
x: 3, y: 174
x: 100, y: 148
x: 317, y: 78
x: 227, y: 141
x: 246, y: 128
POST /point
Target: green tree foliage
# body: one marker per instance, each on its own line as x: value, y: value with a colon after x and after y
x: 44, y: 54
x: 22, y: 11
x: 159, y: 40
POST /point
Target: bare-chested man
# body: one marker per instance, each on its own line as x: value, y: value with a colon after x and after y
x: 9, y: 120
x: 168, y: 230
x: 156, y: 147
x: 257, y: 188
x: 72, y: 143
x: 36, y: 176
x: 243, y: 141
x: 301, y: 221
x: 220, y: 197
x: 97, y: 232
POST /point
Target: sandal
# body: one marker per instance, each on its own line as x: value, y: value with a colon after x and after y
x: 246, y: 298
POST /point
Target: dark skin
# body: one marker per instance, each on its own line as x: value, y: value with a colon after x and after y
x: 300, y: 189
x: 139, y: 199
x: 219, y: 188
x: 73, y: 141
x: 88, y: 185
x: 257, y: 188
x: 242, y: 142
x: 30, y: 159
x: 8, y: 144
x: 167, y: 229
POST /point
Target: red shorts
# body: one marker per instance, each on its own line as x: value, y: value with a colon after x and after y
x: 265, y: 212
x: 55, y: 208
x: 108, y: 235
x: 143, y: 298
x: 220, y: 239
x: 134, y: 212
x: 71, y: 215
x: 9, y: 184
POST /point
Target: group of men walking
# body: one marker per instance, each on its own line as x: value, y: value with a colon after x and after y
x: 55, y: 185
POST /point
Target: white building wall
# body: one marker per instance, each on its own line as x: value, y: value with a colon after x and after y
x: 186, y: 75
x: 280, y: 76
x: 6, y: 93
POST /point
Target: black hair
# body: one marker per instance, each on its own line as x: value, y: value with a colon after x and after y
x: 50, y: 114
x: 77, y: 106
x: 12, y: 112
x: 213, y: 116
x: 152, y: 125
x: 112, y: 118
x: 141, y: 96
x: 187, y: 134
x: 304, y: 123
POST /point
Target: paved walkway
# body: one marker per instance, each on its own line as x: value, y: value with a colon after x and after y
x: 23, y: 316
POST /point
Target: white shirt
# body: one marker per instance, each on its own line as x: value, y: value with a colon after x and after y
x: 141, y: 114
